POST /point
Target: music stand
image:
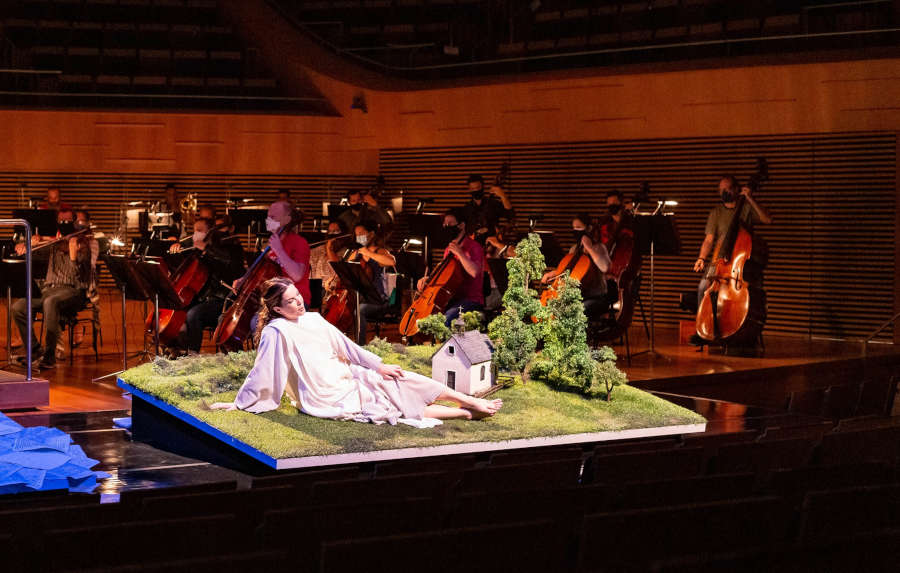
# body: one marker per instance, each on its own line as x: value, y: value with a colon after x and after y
x: 156, y: 276
x: 500, y: 273
x: 427, y: 226
x: 335, y: 212
x: 42, y: 220
x: 655, y: 234
x: 133, y: 287
x: 353, y: 276
x: 550, y: 248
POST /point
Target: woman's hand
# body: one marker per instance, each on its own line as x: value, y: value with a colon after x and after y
x: 390, y: 371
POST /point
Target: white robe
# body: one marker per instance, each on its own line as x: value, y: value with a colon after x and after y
x: 328, y: 376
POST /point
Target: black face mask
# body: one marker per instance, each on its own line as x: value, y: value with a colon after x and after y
x: 577, y: 234
x: 477, y: 195
x: 449, y: 233
x: 727, y: 196
x: 66, y: 227
x: 614, y: 208
x: 356, y: 208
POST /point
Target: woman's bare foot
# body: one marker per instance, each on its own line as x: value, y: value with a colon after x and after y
x: 222, y: 406
x: 482, y: 408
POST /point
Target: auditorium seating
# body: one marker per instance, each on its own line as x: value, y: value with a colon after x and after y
x: 773, y: 499
x: 138, y: 54
x: 402, y: 35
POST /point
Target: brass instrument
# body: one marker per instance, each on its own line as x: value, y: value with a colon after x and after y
x: 188, y: 208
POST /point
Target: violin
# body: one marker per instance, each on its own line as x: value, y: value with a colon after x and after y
x: 733, y: 310
x: 234, y: 327
x: 441, y: 285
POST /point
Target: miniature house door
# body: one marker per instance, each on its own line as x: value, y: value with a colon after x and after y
x: 451, y: 380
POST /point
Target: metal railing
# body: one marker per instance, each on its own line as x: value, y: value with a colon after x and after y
x: 30, y: 335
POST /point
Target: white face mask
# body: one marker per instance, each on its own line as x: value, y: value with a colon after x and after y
x: 198, y: 237
x: 272, y: 225
x: 362, y: 239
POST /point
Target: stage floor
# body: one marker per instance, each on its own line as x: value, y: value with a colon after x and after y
x: 733, y: 393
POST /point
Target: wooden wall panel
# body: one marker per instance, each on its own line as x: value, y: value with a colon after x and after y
x: 833, y: 197
x: 105, y: 194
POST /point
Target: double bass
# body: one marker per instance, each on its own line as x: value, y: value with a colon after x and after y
x: 443, y: 282
x: 234, y: 327
x: 733, y: 311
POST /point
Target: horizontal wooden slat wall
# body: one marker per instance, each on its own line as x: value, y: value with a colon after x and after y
x: 105, y: 194
x: 833, y: 197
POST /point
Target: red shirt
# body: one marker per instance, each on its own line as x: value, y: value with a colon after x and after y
x: 297, y: 249
x: 472, y: 288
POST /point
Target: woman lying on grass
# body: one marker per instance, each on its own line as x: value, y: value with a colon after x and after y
x: 326, y: 375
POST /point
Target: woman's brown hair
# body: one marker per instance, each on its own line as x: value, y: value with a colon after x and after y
x: 270, y: 294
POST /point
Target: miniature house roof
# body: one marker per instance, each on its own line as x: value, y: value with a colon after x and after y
x: 476, y: 346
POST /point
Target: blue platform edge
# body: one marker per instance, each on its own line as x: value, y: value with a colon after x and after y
x: 199, y: 424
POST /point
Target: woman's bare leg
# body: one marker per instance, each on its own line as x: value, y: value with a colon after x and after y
x: 479, y: 407
x: 442, y: 412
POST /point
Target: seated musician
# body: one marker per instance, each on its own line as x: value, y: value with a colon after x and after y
x: 363, y: 207
x: 596, y: 298
x: 485, y: 208
x: 617, y: 219
x: 68, y: 279
x: 496, y: 246
x: 717, y: 227
x: 321, y: 256
x: 290, y: 251
x: 470, y: 295
x: 224, y: 262
x: 376, y: 257
x: 328, y: 376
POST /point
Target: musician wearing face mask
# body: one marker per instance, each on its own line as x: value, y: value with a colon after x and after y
x: 363, y: 207
x: 719, y: 218
x: 376, y: 258
x: 68, y: 279
x: 596, y: 296
x: 224, y: 263
x: 470, y: 254
x: 617, y: 219
x: 485, y: 209
x: 290, y: 251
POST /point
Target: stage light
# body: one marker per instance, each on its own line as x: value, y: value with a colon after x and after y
x: 117, y: 242
x: 414, y: 241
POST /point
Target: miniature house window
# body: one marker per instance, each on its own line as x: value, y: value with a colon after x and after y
x: 451, y: 380
x: 450, y: 350
x: 482, y: 371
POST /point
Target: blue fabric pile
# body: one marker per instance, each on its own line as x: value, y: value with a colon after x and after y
x: 41, y: 458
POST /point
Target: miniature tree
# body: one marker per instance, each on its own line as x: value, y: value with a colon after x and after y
x: 515, y: 342
x: 514, y: 333
x: 433, y: 326
x: 565, y: 338
x: 605, y: 370
x: 473, y: 320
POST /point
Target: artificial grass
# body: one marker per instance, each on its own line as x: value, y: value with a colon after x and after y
x: 529, y: 410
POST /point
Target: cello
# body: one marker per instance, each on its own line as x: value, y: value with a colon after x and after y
x: 580, y: 267
x: 189, y: 279
x: 624, y: 268
x: 234, y: 326
x: 733, y: 310
x: 440, y: 287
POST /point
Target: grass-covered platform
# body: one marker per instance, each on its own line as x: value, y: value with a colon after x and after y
x: 533, y: 415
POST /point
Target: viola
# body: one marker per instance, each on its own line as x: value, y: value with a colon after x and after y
x: 234, y: 327
x: 733, y: 310
x: 440, y: 288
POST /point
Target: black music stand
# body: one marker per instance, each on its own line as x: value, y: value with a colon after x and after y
x: 133, y: 287
x: 550, y: 248
x: 500, y: 273
x: 428, y: 226
x: 353, y: 276
x: 162, y: 288
x: 43, y: 221
x: 655, y: 234
x: 335, y: 212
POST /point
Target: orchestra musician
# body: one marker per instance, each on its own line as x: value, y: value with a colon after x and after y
x: 321, y: 256
x: 290, y: 251
x: 375, y: 257
x: 597, y: 297
x: 618, y: 219
x: 223, y: 261
x: 717, y: 224
x: 485, y: 208
x: 470, y: 295
x: 363, y: 207
x: 496, y: 246
x: 69, y: 277
x: 53, y: 201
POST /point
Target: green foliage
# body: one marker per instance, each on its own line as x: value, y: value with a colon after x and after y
x: 609, y: 376
x: 565, y: 338
x: 192, y: 390
x: 604, y: 354
x: 514, y: 341
x: 540, y: 369
x: 434, y: 327
x: 380, y: 347
x: 526, y: 266
x: 474, y: 320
